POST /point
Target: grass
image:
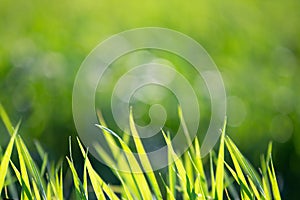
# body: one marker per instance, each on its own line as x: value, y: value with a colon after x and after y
x: 185, y: 178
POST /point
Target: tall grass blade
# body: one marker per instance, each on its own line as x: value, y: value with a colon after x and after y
x: 25, y: 187
x: 6, y: 120
x: 48, y: 191
x: 254, y: 189
x: 265, y: 179
x: 212, y: 176
x: 199, y: 166
x: 109, y: 138
x: 44, y: 157
x: 80, y: 194
x: 128, y: 178
x: 143, y: 157
x: 171, y: 193
x: 133, y: 164
x: 31, y: 166
x: 125, y: 187
x: 198, y: 187
x: 238, y: 173
x: 36, y: 190
x: 245, y: 165
x: 98, y: 184
x: 273, y: 180
x: 85, y: 184
x: 179, y: 166
x: 6, y: 157
x: 24, y: 175
x: 220, y: 166
x: 185, y: 130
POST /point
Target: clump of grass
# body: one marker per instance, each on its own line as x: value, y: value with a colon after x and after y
x: 185, y: 177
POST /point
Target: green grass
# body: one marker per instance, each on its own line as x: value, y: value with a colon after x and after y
x: 185, y: 177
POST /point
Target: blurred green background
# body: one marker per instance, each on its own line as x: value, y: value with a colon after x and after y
x: 255, y: 44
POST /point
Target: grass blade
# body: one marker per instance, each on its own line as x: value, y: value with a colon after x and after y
x: 199, y: 166
x: 212, y: 176
x: 109, y: 138
x: 85, y: 186
x: 198, y: 188
x: 25, y: 187
x: 24, y: 175
x: 31, y: 166
x: 171, y: 193
x: 36, y: 191
x: 179, y: 166
x: 245, y: 165
x: 80, y: 194
x: 133, y: 164
x: 6, y: 157
x: 239, y: 175
x: 273, y: 180
x: 128, y: 178
x: 6, y: 120
x: 220, y: 166
x: 254, y: 189
x: 143, y: 157
x: 43, y: 155
x: 98, y: 184
x: 126, y: 190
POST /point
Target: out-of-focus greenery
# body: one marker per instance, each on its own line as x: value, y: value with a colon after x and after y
x: 255, y: 44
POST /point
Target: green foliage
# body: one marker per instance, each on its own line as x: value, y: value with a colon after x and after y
x: 255, y: 44
x: 185, y: 178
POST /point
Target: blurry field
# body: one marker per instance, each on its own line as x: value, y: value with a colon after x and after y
x: 255, y: 45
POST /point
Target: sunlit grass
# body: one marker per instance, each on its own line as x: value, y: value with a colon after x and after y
x: 185, y: 177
